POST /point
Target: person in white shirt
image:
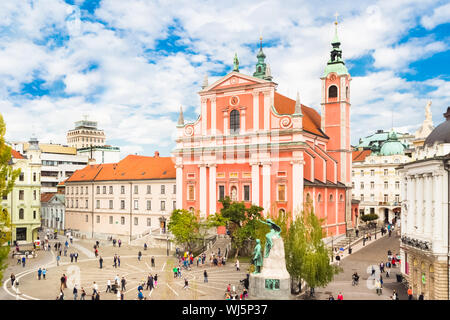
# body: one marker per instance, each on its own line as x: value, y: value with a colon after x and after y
x: 95, y: 287
x: 108, y: 286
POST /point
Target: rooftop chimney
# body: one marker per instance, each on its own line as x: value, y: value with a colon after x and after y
x: 156, y: 154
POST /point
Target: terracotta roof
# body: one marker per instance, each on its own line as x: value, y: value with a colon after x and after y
x: 133, y: 167
x: 360, y: 155
x: 311, y: 118
x: 16, y: 154
x: 46, y: 196
x: 62, y: 183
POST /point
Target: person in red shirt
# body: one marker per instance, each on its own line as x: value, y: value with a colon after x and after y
x: 340, y: 297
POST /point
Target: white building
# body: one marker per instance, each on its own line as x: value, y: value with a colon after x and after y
x: 375, y: 180
x: 53, y: 210
x: 129, y: 198
x: 58, y: 163
x: 101, y: 154
x: 425, y: 221
x: 85, y: 134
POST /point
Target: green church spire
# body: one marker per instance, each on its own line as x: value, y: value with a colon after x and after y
x: 235, y: 63
x: 336, y: 63
x: 261, y: 66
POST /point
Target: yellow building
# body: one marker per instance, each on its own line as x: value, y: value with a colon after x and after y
x: 24, y: 201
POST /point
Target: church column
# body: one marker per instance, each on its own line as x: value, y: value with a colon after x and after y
x: 225, y: 122
x: 179, y: 182
x: 419, y: 201
x: 428, y: 205
x: 266, y: 186
x: 266, y: 110
x: 255, y: 183
x: 212, y: 189
x: 411, y: 204
x: 204, y: 115
x: 203, y: 193
x: 255, y: 111
x: 243, y: 128
x: 213, y: 115
x: 438, y: 223
x: 297, y: 187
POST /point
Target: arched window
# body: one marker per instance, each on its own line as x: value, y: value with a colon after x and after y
x: 319, y: 198
x: 234, y: 122
x: 332, y: 92
x: 21, y: 214
x: 331, y: 197
x: 341, y: 197
x: 308, y: 197
x: 281, y: 212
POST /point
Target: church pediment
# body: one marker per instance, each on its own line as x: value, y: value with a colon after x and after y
x: 234, y: 79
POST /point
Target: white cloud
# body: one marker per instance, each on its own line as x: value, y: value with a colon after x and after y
x: 135, y: 93
x: 440, y: 15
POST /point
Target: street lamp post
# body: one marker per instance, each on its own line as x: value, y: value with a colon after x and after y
x: 167, y: 237
x: 364, y: 238
x: 375, y: 232
x: 332, y: 249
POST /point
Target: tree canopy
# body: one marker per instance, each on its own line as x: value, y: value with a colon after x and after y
x: 7, y: 179
x: 306, y: 255
x: 242, y: 222
x: 185, y: 226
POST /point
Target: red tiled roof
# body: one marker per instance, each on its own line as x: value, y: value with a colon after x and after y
x: 133, y: 167
x: 311, y: 118
x: 360, y: 155
x: 61, y: 183
x: 16, y: 154
x: 46, y: 196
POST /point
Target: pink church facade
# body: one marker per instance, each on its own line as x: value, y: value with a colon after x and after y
x: 260, y: 147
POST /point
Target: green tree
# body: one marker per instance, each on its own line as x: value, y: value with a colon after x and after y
x: 186, y: 227
x: 369, y: 217
x: 242, y: 222
x: 7, y: 179
x: 306, y: 255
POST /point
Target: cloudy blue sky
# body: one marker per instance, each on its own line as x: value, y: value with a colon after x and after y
x: 131, y: 64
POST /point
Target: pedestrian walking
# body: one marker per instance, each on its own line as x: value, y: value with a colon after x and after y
x: 23, y: 261
x: 175, y: 272
x: 155, y: 279
x: 153, y: 261
x: 75, y: 292
x: 237, y: 265
x: 101, y: 262
x: 186, y: 284
x: 108, y: 286
x: 410, y: 293
x: 83, y: 294
x: 44, y: 272
x: 123, y: 282
x: 76, y: 256
x: 205, y: 276
x: 94, y: 288
x: 145, y: 246
x: 340, y: 296
x: 139, y: 256
x: 118, y: 261
x: 118, y: 291
x: 13, y: 278
x: 58, y: 258
x: 394, y: 295
x: 120, y: 243
x: 39, y: 273
x: 421, y: 297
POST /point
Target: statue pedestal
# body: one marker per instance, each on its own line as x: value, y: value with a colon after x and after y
x: 273, y: 283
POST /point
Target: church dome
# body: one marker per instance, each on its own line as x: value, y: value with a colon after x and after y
x: 441, y: 133
x: 392, y: 146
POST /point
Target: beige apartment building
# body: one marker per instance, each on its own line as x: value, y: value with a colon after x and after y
x: 85, y: 134
x: 127, y: 199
